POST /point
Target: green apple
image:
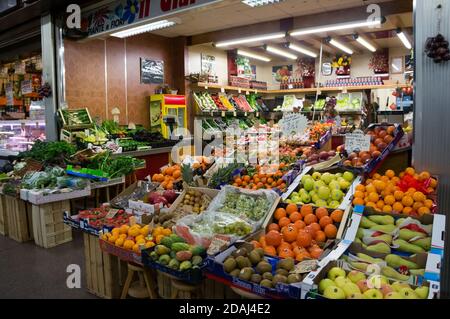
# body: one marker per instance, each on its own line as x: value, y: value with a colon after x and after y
x: 324, y: 283
x: 334, y: 204
x: 373, y: 294
x: 316, y: 176
x: 336, y: 272
x: 350, y: 289
x: 408, y: 293
x: 318, y: 185
x: 337, y: 175
x: 337, y: 194
x: 324, y: 192
x: 356, y: 276
x: 356, y: 296
x: 348, y: 176
x: 296, y: 199
x: 305, y: 198
x: 305, y: 177
x: 315, y: 198
x: 422, y: 292
x: 393, y: 295
x: 397, y: 286
x: 341, y: 281
x: 321, y: 203
x: 326, y: 178
x: 344, y: 184
x: 333, y: 292
x: 308, y: 185
x: 334, y: 185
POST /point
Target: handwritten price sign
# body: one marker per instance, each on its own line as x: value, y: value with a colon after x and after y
x: 357, y: 141
x: 293, y: 123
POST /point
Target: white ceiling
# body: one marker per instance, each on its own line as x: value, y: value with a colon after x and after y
x: 233, y: 13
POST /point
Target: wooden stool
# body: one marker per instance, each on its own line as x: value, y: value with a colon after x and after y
x: 245, y: 294
x: 141, y: 289
x: 188, y: 290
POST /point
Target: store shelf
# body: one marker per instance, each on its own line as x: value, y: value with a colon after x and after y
x: 228, y: 88
x: 20, y: 122
x: 391, y: 112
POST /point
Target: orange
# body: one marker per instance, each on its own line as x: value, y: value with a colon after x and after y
x: 255, y: 244
x: 246, y: 178
x: 324, y: 221
x: 159, y: 238
x: 330, y: 231
x: 304, y: 238
x: 359, y: 194
x: 291, y: 208
x: 321, y: 212
x: 371, y: 189
x: 407, y: 201
x: 119, y: 242
x: 136, y: 248
x: 358, y: 201
x: 380, y: 204
x: 149, y: 244
x: 280, y: 213
x: 116, y: 231
x: 273, y: 238
x: 176, y: 174
x: 424, y: 176
x: 316, y: 252
x: 113, y: 239
x: 390, y: 173
x: 361, y: 188
x: 374, y: 197
x: 128, y: 244
x: 286, y: 253
x: 412, y: 190
x: 337, y: 215
x: 419, y: 197
x: 387, y: 209
x: 385, y: 179
x: 433, y: 183
x: 373, y: 205
x: 395, y: 180
x: 270, y: 250
x: 273, y: 226
x: 313, y: 228
x: 369, y: 181
x: 290, y: 233
x: 417, y: 205
x: 397, y: 207
x: 306, y: 210
x: 134, y: 231
x: 300, y: 224
x: 379, y: 185
x: 376, y: 176
x: 124, y: 229
x: 320, y: 237
x: 389, y: 200
x: 407, y: 210
x: 424, y: 211
x: 429, y: 203
x: 399, y: 195
x: 410, y: 171
x: 309, y: 219
x: 262, y: 241
x: 295, y: 216
x: 284, y: 221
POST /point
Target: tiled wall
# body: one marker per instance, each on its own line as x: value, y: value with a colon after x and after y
x: 104, y: 74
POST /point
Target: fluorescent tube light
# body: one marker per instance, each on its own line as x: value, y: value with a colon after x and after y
x: 365, y: 43
x: 281, y: 52
x: 253, y: 55
x: 335, y: 27
x: 144, y: 28
x: 302, y: 50
x: 258, y: 3
x: 404, y: 39
x: 257, y: 38
x: 340, y: 46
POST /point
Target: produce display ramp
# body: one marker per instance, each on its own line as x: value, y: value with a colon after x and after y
x: 19, y: 221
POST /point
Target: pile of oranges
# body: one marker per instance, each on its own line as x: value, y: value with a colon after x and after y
x: 136, y: 236
x: 264, y: 177
x: 384, y: 194
x: 169, y: 175
x: 297, y: 234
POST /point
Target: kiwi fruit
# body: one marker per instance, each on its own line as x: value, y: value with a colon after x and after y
x: 229, y: 265
x: 240, y: 252
x: 268, y: 276
x: 256, y: 278
x: 246, y: 273
x: 254, y: 257
x: 293, y: 278
x: 282, y: 272
x: 243, y: 262
x: 260, y: 251
x: 266, y: 283
x: 235, y: 273
x: 279, y: 279
x: 263, y: 267
x: 287, y: 264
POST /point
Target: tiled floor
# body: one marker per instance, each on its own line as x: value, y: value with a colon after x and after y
x: 29, y: 271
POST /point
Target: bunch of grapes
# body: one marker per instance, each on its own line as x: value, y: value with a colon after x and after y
x: 437, y: 49
x: 45, y: 90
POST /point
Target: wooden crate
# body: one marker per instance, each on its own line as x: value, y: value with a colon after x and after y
x: 3, y: 218
x: 19, y: 221
x: 49, y: 229
x: 105, y: 273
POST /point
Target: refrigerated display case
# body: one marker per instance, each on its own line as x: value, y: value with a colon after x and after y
x: 19, y: 135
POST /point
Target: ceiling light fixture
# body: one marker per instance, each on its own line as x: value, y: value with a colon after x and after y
x: 340, y: 46
x: 144, y: 28
x: 253, y: 55
x: 257, y: 38
x: 301, y: 50
x: 281, y: 52
x: 364, y: 43
x: 259, y: 3
x: 404, y: 39
x: 336, y: 27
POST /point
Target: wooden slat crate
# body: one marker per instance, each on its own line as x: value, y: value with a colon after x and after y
x: 3, y: 218
x: 49, y: 229
x: 19, y: 221
x: 104, y: 272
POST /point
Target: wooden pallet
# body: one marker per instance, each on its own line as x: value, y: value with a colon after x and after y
x: 49, y: 229
x: 19, y: 221
x: 104, y: 272
x: 3, y: 218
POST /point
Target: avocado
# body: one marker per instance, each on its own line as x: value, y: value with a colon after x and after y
x: 279, y: 279
x: 268, y: 276
x: 246, y: 273
x: 263, y: 267
x: 293, y: 278
x: 254, y: 257
x: 282, y: 272
x: 240, y: 252
x: 229, y: 265
x: 287, y: 264
x: 235, y: 273
x: 260, y: 251
x: 266, y: 283
x: 256, y: 278
x: 243, y: 262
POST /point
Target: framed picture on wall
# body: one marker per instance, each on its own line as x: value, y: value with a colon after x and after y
x: 327, y: 69
x: 152, y: 71
x: 397, y: 65
x: 208, y: 64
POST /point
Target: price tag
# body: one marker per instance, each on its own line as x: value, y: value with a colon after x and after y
x: 206, y: 87
x: 239, y: 91
x: 9, y: 92
x: 26, y: 87
x: 234, y: 114
x: 245, y: 114
x: 212, y: 114
x: 133, y: 220
x: 257, y: 114
x: 247, y: 93
x: 223, y: 113
x: 256, y: 91
x: 222, y: 90
x: 357, y: 141
x: 344, y: 91
x: 293, y: 123
x: 111, y: 213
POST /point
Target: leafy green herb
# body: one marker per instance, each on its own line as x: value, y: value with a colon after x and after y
x: 50, y: 152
